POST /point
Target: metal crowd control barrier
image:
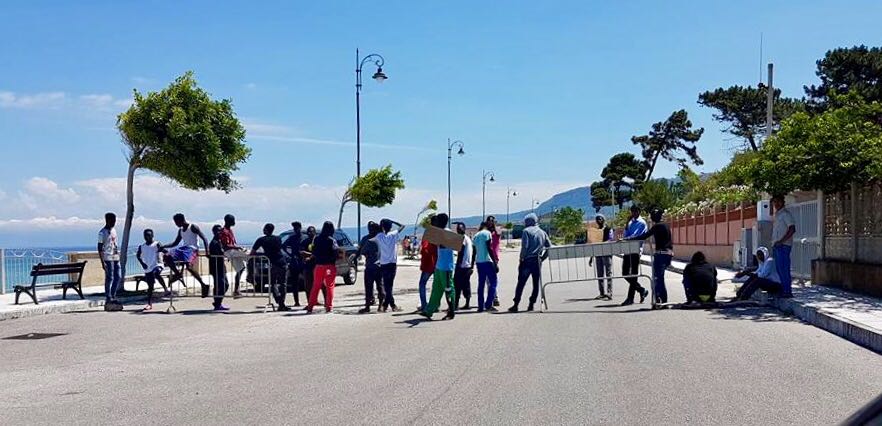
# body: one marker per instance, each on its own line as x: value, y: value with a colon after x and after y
x: 569, y: 264
x: 256, y: 280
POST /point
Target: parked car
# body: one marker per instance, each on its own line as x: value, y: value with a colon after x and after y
x: 346, y: 267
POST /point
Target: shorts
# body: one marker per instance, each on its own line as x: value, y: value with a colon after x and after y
x: 237, y: 258
x: 186, y: 254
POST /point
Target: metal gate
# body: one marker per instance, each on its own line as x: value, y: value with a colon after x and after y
x: 806, y: 240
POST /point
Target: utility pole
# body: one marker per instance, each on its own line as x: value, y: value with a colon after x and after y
x: 770, y: 104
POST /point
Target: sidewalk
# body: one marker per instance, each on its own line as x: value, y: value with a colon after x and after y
x: 851, y: 316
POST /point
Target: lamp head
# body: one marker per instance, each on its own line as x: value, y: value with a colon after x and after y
x: 380, y: 76
x: 492, y: 178
x: 461, y: 151
x: 514, y: 194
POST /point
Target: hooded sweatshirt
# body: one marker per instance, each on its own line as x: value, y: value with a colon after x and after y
x: 533, y: 239
x: 768, y: 270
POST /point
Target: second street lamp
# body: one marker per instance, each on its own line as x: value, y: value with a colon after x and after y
x: 510, y: 193
x: 379, y: 77
x: 450, y: 146
x: 492, y: 177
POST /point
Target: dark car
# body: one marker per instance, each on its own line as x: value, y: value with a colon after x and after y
x: 346, y: 267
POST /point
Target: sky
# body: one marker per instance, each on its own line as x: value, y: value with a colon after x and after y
x: 541, y: 93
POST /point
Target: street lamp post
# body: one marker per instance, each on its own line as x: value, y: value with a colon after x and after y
x: 379, y: 76
x: 450, y: 146
x: 508, y: 196
x: 492, y: 177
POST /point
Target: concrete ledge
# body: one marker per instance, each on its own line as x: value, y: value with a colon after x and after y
x: 48, y: 307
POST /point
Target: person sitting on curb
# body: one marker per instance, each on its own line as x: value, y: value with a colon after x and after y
x: 700, y: 280
x: 765, y: 278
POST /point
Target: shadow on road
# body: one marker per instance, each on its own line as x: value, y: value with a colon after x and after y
x: 751, y: 313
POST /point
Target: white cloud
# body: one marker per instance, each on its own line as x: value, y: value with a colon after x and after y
x: 50, y: 100
x: 142, y: 80
x: 260, y: 129
x: 44, y: 188
x: 250, y: 86
x: 102, y: 101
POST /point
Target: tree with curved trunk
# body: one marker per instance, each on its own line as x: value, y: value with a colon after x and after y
x: 182, y: 134
x: 376, y: 188
x: 666, y: 139
x: 744, y: 110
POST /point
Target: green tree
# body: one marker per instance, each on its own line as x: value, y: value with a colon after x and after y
x: 600, y: 196
x: 743, y: 110
x: 184, y: 135
x: 666, y: 139
x: 568, y: 223
x: 855, y: 69
x: 622, y: 173
x: 430, y: 208
x: 827, y: 151
x: 427, y: 220
x: 655, y: 194
x: 376, y: 188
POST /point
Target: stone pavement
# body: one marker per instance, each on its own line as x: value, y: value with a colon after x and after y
x: 853, y: 317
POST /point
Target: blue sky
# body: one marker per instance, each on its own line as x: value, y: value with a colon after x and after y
x: 542, y: 93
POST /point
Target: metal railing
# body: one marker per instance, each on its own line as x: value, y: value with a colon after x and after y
x: 16, y: 265
x: 256, y: 280
x: 806, y: 241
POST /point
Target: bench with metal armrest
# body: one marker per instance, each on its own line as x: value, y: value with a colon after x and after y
x: 41, y: 270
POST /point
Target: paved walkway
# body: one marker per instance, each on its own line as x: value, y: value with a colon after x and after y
x: 851, y: 316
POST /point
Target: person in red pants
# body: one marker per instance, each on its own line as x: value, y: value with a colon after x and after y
x: 325, y: 253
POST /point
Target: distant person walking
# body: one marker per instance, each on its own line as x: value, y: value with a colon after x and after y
x: 534, y: 245
x: 108, y: 252
x: 664, y: 252
x: 462, y: 277
x: 217, y: 269
x: 387, y: 241
x: 604, y: 263
x: 326, y: 252
x: 783, y: 230
x: 237, y: 254
x: 291, y: 246
x: 442, y: 284
x: 185, y: 249
x: 631, y: 262
x: 428, y: 259
x: 149, y: 256
x: 270, y: 246
x: 488, y: 268
x: 373, y: 280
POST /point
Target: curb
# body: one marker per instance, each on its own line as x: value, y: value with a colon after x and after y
x: 849, y: 330
x: 60, y: 308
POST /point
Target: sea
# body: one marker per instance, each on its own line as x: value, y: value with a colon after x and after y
x: 17, y: 263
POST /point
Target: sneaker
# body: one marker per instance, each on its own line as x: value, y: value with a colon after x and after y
x: 426, y: 315
x: 327, y: 310
x: 365, y: 310
x: 283, y: 308
x: 221, y: 308
x: 607, y: 297
x: 530, y: 308
x: 627, y: 302
x: 147, y: 308
x: 643, y: 295
x: 113, y: 306
x: 396, y: 308
x: 496, y: 301
x: 480, y: 310
x: 513, y: 309
x: 491, y: 309
x: 383, y: 309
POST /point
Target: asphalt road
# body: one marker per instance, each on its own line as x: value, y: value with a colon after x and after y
x: 584, y: 361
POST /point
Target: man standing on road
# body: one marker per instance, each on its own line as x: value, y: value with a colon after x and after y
x: 495, y: 240
x: 428, y: 259
x: 604, y: 263
x: 534, y: 242
x: 387, y: 241
x: 291, y: 246
x: 271, y: 246
x: 108, y: 252
x: 372, y: 277
x: 442, y: 284
x: 232, y: 250
x: 664, y: 252
x: 782, y: 237
x: 488, y: 267
x: 631, y: 262
x: 464, y: 263
x: 187, y: 252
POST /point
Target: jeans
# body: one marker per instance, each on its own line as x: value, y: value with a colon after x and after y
x: 424, y: 280
x: 220, y: 286
x: 112, y: 279
x: 486, y: 273
x: 754, y: 284
x: 603, y: 268
x: 462, y: 282
x: 388, y: 271
x: 660, y: 263
x: 631, y: 266
x: 781, y: 254
x: 373, y: 279
x: 529, y: 267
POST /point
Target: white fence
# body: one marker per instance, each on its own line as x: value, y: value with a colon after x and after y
x: 806, y: 241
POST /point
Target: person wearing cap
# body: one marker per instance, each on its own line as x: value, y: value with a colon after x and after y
x: 534, y: 242
x: 664, y: 252
x: 631, y: 262
x: 765, y: 278
x: 604, y: 263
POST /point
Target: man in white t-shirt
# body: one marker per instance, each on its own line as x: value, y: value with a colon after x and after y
x: 782, y: 237
x: 108, y: 252
x: 150, y: 257
x: 463, y: 275
x: 387, y: 242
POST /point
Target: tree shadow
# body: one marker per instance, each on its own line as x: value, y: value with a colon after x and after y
x: 757, y: 313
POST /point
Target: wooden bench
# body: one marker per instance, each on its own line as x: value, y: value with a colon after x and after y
x: 41, y: 270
